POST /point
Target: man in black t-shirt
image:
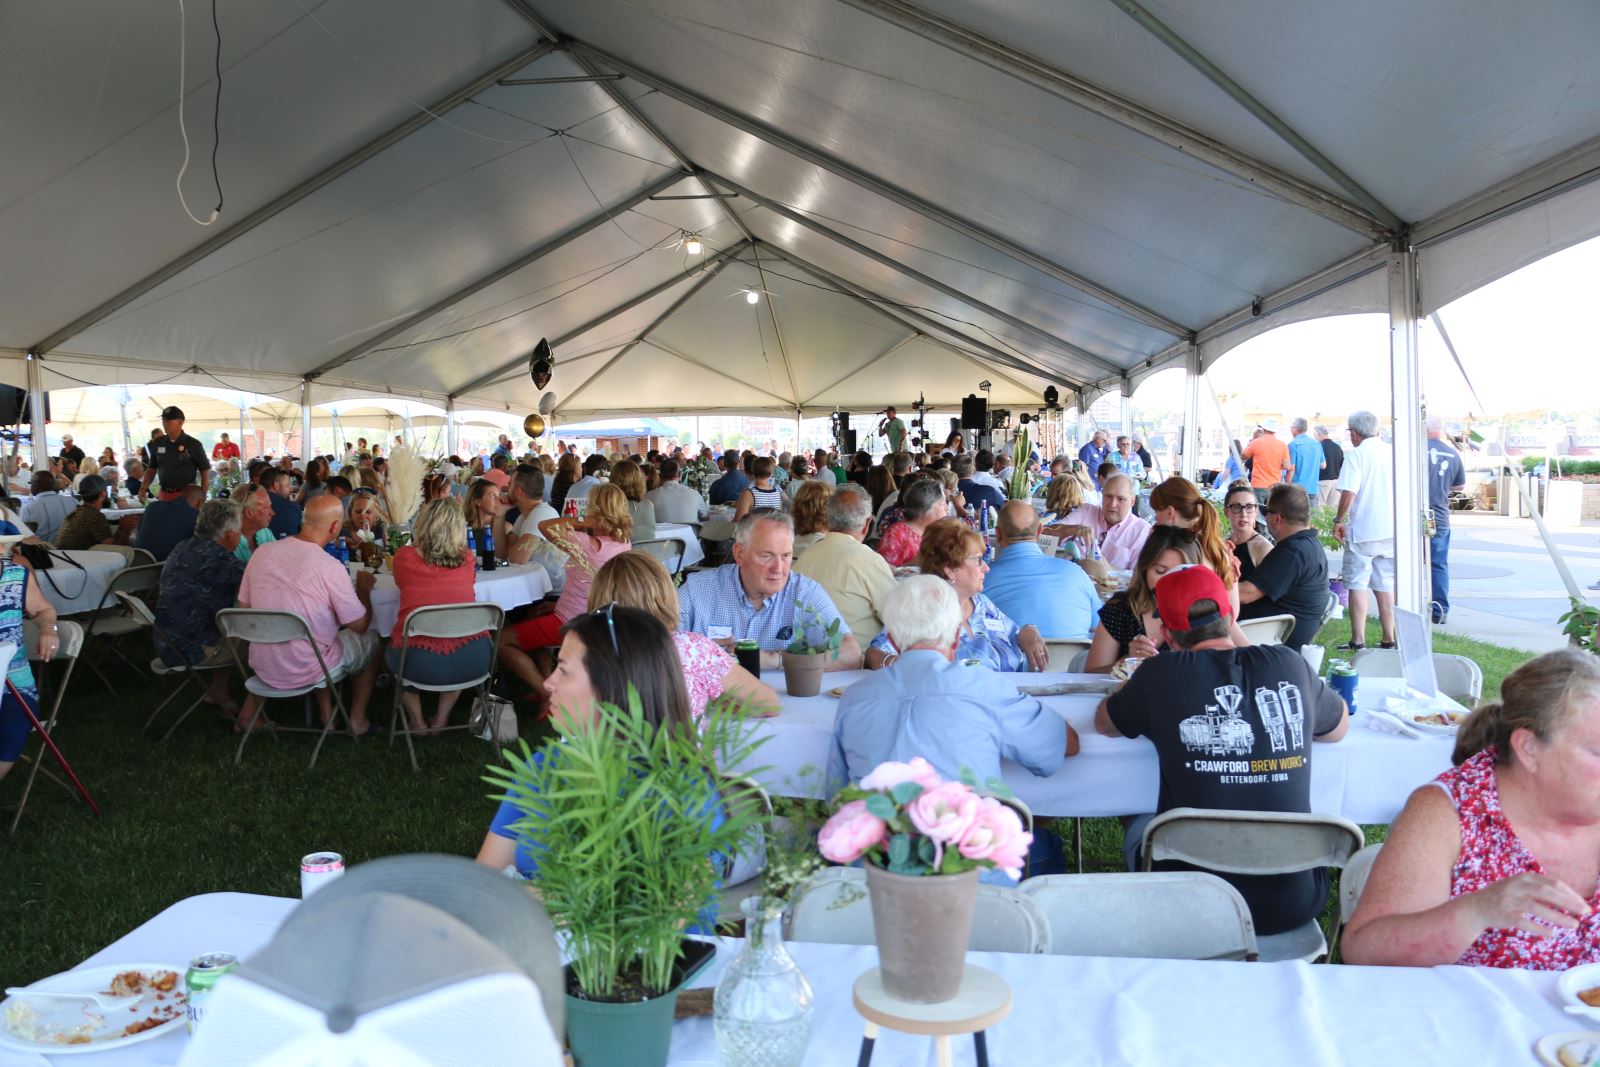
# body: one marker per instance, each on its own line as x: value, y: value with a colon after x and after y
x: 1445, y: 473
x: 179, y: 459
x: 73, y: 452
x: 1232, y: 729
x: 1293, y: 578
x: 1333, y: 455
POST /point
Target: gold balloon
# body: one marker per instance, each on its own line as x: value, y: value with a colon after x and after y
x: 533, y: 425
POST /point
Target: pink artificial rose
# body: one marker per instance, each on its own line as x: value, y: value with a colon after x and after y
x: 885, y: 776
x: 850, y: 832
x: 944, y: 814
x: 997, y: 835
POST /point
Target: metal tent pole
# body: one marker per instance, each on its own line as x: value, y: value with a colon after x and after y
x: 1412, y: 586
x: 41, y: 447
x: 1189, y: 444
x: 305, y: 418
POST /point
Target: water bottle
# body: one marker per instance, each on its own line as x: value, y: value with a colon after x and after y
x: 486, y: 548
x: 344, y: 551
x: 472, y: 542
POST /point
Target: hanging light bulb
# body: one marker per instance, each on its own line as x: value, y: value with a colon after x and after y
x: 691, y: 244
x: 752, y: 297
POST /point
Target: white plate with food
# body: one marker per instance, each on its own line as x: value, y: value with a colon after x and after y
x: 1580, y: 988
x: 1433, y: 720
x: 145, y: 1000
x: 1571, y: 1048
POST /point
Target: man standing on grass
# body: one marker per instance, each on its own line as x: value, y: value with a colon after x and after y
x: 1332, y: 465
x: 1445, y: 473
x: 1306, y: 456
x: 1365, y: 523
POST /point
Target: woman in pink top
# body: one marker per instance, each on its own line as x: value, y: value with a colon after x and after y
x: 436, y: 568
x: 923, y: 504
x: 1496, y: 863
x: 605, y: 531
x: 638, y: 580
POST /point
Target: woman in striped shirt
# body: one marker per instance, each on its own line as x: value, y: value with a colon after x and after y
x: 762, y: 493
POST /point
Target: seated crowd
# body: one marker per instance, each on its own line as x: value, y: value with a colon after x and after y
x: 888, y: 568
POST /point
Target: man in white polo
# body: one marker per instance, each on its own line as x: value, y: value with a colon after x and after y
x: 1365, y: 523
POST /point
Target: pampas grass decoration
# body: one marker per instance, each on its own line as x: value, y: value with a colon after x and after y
x: 406, y: 471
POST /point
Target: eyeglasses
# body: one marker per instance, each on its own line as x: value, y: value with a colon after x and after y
x: 611, y: 623
x: 1240, y: 509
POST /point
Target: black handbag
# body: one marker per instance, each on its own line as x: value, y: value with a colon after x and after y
x: 38, y: 556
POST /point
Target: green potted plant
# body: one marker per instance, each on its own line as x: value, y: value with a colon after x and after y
x: 1582, y: 626
x: 1021, y: 486
x: 804, y: 659
x: 628, y: 818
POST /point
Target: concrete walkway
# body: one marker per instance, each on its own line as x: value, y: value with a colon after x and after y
x: 1504, y: 589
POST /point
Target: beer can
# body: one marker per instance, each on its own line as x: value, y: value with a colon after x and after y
x: 1343, y: 679
x: 317, y: 870
x: 201, y: 978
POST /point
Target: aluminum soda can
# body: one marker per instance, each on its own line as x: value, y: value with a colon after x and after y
x: 201, y: 978
x: 317, y: 870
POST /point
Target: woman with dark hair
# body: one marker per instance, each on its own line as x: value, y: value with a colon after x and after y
x: 568, y: 471
x: 313, y: 483
x: 1250, y: 546
x: 860, y: 464
x: 1495, y: 863
x: 604, y: 654
x: 762, y: 493
x: 879, y: 485
x: 1127, y: 618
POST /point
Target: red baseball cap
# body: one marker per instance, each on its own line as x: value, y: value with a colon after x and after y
x: 1177, y: 591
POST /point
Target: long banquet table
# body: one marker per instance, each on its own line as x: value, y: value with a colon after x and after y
x: 1078, y: 1010
x: 1365, y: 777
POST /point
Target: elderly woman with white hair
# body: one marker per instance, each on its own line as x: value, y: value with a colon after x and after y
x: 956, y: 715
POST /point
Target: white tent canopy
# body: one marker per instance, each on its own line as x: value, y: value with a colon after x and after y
x: 1049, y: 190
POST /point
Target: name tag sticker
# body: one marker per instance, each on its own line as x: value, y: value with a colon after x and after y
x: 998, y: 626
x: 719, y: 633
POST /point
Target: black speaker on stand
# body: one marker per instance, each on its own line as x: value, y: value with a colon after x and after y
x: 974, y: 412
x: 847, y: 443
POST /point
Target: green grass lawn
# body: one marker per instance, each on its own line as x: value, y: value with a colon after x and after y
x: 180, y: 819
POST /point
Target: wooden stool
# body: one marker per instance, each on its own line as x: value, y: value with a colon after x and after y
x: 984, y: 1000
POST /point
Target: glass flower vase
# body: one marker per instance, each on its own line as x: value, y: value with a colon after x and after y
x: 763, y: 1002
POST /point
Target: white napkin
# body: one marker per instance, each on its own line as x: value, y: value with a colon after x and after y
x: 1388, y: 723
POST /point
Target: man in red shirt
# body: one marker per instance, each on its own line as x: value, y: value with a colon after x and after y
x: 224, y: 449
x: 1269, y: 462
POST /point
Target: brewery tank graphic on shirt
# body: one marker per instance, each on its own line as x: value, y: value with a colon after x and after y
x: 1271, y: 712
x: 1220, y: 731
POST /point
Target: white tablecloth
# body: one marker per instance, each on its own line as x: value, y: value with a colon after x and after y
x: 116, y: 513
x: 1365, y: 777
x: 73, y: 591
x: 692, y: 552
x: 510, y: 587
x: 1083, y: 1011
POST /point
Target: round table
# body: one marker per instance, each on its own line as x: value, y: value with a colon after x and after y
x: 73, y: 591
x: 510, y: 587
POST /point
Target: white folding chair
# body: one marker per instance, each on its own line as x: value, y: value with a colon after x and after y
x: 109, y: 622
x: 1269, y: 630
x: 187, y: 672
x: 833, y: 907
x: 1066, y: 654
x: 252, y: 626
x: 1353, y: 879
x: 70, y: 648
x: 715, y: 535
x: 1459, y: 677
x: 446, y: 622
x: 1260, y: 843
x: 671, y: 551
x: 1180, y: 915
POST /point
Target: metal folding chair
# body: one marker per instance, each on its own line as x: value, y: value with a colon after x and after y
x: 187, y: 673
x: 671, y: 551
x: 111, y: 621
x: 1181, y: 915
x: 71, y: 648
x: 447, y: 622
x: 252, y: 626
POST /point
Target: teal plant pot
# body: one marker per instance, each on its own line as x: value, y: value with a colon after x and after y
x: 633, y: 1034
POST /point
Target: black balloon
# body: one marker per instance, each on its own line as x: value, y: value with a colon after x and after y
x: 541, y: 363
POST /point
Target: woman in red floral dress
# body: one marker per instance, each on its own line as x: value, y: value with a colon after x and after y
x: 1495, y: 863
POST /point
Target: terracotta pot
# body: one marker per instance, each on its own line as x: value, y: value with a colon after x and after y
x: 922, y: 926
x: 802, y: 673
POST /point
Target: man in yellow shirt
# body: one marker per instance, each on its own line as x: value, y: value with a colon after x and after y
x: 856, y: 578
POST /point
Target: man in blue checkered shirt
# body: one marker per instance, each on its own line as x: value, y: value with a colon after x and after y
x: 757, y: 597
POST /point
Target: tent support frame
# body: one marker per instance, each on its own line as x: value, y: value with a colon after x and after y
x: 1040, y: 335
x: 482, y: 282
x: 1412, y: 581
x: 1035, y: 72
x: 417, y: 119
x: 888, y: 190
